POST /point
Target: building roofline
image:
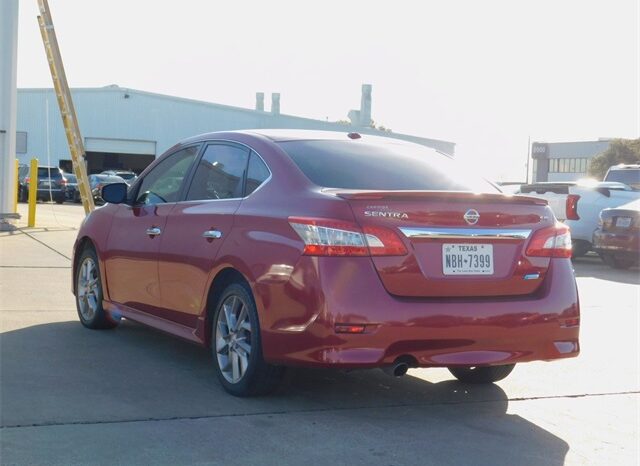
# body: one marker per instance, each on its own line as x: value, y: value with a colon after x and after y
x: 574, y: 142
x: 337, y: 126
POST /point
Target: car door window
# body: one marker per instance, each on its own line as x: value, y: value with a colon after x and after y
x: 162, y: 184
x: 219, y: 174
x: 257, y: 173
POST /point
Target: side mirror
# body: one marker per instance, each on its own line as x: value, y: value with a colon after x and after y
x: 114, y: 193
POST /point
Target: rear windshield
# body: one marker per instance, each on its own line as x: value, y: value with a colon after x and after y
x: 49, y: 172
x: 628, y: 176
x: 126, y: 176
x: 381, y: 166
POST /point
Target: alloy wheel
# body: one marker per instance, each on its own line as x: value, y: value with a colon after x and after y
x: 233, y: 339
x: 88, y: 289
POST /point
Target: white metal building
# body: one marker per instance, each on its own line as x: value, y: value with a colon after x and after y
x: 127, y: 128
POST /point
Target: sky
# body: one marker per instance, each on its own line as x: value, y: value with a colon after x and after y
x: 487, y: 75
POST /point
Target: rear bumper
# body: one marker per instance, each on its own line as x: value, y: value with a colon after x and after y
x: 298, y: 320
x: 51, y: 195
x: 616, y: 242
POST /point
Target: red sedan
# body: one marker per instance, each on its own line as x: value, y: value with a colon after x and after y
x: 281, y: 248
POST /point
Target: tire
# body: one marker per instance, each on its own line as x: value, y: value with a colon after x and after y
x: 580, y: 248
x: 239, y: 365
x: 59, y: 201
x: 24, y: 195
x: 89, y: 292
x: 481, y: 374
x: 616, y: 262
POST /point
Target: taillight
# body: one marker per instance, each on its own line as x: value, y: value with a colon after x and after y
x: 26, y: 180
x: 552, y: 241
x: 572, y: 207
x: 63, y: 182
x: 324, y: 237
x: 383, y: 242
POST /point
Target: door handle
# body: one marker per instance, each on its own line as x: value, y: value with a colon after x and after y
x: 154, y: 231
x: 212, y: 234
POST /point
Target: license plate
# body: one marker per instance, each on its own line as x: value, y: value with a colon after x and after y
x: 45, y: 184
x: 467, y: 259
x: 623, y: 222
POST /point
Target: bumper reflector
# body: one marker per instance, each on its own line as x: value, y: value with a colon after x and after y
x: 350, y: 328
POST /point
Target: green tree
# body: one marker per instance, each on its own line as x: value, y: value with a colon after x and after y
x: 619, y: 151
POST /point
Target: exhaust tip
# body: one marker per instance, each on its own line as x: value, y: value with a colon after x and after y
x: 400, y: 369
x: 397, y: 369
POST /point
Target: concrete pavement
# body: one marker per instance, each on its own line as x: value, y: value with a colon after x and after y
x: 136, y: 396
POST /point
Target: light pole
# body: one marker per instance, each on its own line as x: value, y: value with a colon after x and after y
x: 526, y: 178
x: 8, y: 107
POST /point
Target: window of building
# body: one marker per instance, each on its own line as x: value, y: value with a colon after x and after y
x: 569, y: 165
x: 21, y: 142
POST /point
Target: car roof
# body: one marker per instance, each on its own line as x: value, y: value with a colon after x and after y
x: 284, y: 135
x: 625, y: 166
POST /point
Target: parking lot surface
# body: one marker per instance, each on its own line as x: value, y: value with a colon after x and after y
x: 136, y: 396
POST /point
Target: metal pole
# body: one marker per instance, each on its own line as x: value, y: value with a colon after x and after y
x: 8, y: 108
x: 526, y: 178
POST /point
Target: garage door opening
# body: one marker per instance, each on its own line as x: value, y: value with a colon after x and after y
x: 118, y: 154
x: 99, y: 161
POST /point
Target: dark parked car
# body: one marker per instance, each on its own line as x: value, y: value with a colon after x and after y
x: 73, y: 194
x: 617, y: 238
x: 278, y: 248
x: 127, y: 175
x: 51, y: 184
x: 96, y: 182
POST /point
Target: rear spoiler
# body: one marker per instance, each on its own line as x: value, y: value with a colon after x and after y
x: 452, y: 196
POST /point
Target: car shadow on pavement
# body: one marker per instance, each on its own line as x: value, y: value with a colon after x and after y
x: 592, y: 266
x: 61, y: 373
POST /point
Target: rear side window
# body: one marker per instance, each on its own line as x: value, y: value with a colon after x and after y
x: 219, y: 174
x: 257, y: 173
x: 381, y: 166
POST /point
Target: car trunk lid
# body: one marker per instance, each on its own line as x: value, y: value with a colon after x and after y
x: 459, y: 244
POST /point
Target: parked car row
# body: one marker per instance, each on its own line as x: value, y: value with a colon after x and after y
x: 58, y: 186
x: 603, y: 216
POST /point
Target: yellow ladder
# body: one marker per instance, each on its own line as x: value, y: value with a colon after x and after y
x: 67, y: 110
